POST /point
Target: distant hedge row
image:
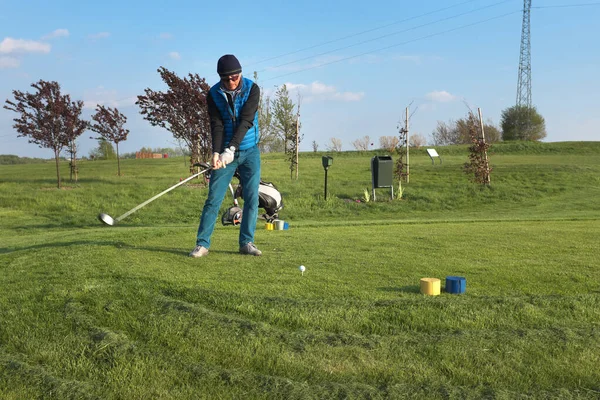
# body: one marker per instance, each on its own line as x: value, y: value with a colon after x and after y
x: 512, y: 147
x: 10, y: 159
x: 458, y: 149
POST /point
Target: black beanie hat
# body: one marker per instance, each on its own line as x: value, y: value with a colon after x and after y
x: 228, y: 65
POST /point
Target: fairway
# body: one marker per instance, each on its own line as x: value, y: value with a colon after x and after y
x: 89, y: 311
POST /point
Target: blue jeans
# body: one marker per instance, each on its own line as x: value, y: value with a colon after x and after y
x: 248, y: 164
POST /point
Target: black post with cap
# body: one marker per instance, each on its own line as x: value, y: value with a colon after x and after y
x: 327, y: 161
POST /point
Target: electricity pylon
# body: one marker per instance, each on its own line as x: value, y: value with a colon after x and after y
x: 524, y: 83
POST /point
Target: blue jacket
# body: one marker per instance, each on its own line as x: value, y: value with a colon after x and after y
x: 231, y: 119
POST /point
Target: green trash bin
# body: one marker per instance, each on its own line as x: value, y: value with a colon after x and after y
x: 382, y: 169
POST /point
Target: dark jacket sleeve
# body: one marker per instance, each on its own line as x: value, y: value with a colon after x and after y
x: 246, y: 117
x: 216, y: 124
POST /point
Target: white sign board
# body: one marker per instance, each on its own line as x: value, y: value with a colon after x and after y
x: 432, y: 153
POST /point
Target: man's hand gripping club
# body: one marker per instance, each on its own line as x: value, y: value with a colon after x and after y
x: 221, y: 160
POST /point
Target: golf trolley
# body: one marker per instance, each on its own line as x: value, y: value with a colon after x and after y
x: 269, y: 199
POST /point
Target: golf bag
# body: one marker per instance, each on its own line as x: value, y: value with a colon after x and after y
x: 269, y: 199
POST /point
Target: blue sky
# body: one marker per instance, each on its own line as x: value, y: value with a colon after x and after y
x: 357, y: 65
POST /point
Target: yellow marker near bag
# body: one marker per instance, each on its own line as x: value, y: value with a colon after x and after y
x: 430, y: 286
x: 269, y: 226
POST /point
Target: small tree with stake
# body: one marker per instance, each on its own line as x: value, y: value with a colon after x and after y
x: 109, y: 125
x: 400, y: 147
x: 295, y: 145
x: 75, y: 127
x: 48, y: 118
x: 182, y: 110
x: 478, y: 164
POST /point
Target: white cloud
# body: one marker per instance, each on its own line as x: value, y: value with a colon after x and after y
x: 175, y: 55
x: 349, y: 96
x: 99, y: 35
x: 56, y: 34
x: 10, y: 45
x: 440, y: 96
x: 9, y: 62
x: 105, y: 97
x: 320, y: 91
x: 165, y: 35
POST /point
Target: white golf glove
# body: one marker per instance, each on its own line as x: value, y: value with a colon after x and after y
x: 226, y: 157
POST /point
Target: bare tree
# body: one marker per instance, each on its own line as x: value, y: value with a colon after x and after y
x: 182, y: 110
x: 417, y: 140
x: 315, y: 146
x: 334, y: 144
x: 48, y: 118
x: 389, y: 143
x: 109, y: 124
x: 493, y: 134
x: 362, y: 144
x: 458, y: 132
x: 445, y: 134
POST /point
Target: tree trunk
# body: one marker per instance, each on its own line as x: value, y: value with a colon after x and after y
x: 118, y: 160
x: 195, y: 156
x: 56, y: 155
x: 73, y: 164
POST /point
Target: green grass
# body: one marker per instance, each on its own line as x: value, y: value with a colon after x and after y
x: 88, y: 311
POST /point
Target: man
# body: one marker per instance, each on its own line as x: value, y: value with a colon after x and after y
x: 233, y: 109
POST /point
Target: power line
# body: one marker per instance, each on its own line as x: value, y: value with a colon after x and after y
x: 569, y: 5
x: 410, y: 41
x: 362, y: 33
x: 396, y: 45
x: 388, y: 35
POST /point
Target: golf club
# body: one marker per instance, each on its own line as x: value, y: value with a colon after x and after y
x: 108, y: 220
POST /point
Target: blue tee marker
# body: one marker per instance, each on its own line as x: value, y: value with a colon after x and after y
x: 455, y: 284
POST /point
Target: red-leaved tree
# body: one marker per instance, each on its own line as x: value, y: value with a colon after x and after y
x: 182, y: 110
x: 109, y: 124
x: 47, y: 118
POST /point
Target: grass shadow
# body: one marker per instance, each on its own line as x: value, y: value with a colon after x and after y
x: 50, y: 183
x: 116, y: 244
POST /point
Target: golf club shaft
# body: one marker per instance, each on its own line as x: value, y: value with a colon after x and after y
x: 158, y: 195
x: 235, y: 202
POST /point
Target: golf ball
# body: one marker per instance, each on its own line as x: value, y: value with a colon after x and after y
x: 302, y: 268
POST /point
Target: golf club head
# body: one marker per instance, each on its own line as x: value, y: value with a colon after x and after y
x: 107, y: 219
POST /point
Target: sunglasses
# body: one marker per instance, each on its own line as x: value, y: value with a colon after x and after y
x: 230, y: 78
